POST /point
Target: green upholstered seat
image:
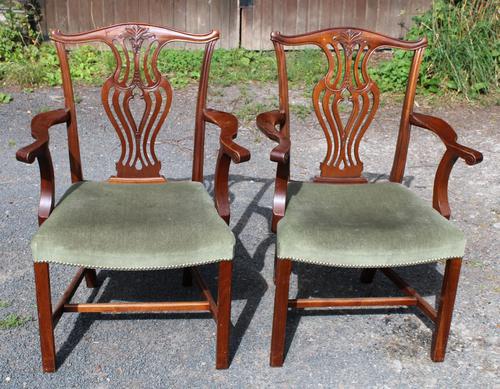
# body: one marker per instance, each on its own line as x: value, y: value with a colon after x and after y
x: 134, y: 227
x: 363, y: 225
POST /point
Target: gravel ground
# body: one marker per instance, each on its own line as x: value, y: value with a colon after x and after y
x: 342, y: 348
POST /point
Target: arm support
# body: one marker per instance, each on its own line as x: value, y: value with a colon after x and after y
x: 453, y: 151
x: 267, y: 123
x: 40, y: 150
x: 40, y: 125
x: 229, y: 150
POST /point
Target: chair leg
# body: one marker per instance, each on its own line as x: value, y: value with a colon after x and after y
x: 274, y: 271
x: 223, y: 314
x: 187, y: 277
x: 91, y: 278
x: 446, y: 302
x: 283, y: 269
x: 367, y: 275
x: 45, y: 323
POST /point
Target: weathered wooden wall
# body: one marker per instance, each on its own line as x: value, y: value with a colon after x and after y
x: 197, y: 16
x: 390, y: 17
x: 249, y: 26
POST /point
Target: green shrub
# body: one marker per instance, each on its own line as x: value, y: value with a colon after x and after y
x: 462, y: 56
x: 463, y: 51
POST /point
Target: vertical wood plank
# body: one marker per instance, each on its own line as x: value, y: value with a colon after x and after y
x: 145, y: 10
x: 360, y: 13
x: 371, y: 15
x: 247, y: 27
x: 290, y: 26
x: 49, y: 15
x: 156, y: 13
x: 215, y: 22
x: 337, y: 14
x: 257, y: 21
x: 234, y: 23
x: 301, y: 18
x: 265, y: 28
x: 325, y: 14
x: 278, y: 17
x: 97, y: 13
x: 313, y: 15
x: 108, y: 12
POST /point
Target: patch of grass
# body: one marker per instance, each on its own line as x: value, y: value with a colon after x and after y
x: 4, y: 304
x: 13, y: 321
x: 43, y: 108
x: 300, y: 110
x: 462, y: 57
x: 249, y: 111
x: 12, y: 143
x: 5, y: 98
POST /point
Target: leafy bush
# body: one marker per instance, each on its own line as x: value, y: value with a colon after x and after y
x: 463, y: 51
x: 463, y: 55
x: 17, y: 32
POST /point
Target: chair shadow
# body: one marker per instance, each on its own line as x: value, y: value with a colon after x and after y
x: 166, y: 285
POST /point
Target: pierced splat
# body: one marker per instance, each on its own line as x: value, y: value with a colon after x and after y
x: 346, y: 83
x: 136, y: 97
x: 346, y: 54
x: 137, y: 137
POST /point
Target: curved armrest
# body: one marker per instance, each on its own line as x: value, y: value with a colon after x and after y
x: 40, y: 150
x: 40, y: 125
x: 267, y: 122
x: 229, y: 150
x: 447, y: 135
x: 454, y: 150
x: 229, y: 130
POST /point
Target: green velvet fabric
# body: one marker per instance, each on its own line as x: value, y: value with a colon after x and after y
x: 134, y: 226
x: 363, y: 225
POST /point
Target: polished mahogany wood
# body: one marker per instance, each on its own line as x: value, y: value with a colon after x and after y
x: 283, y: 269
x: 351, y: 302
x: 346, y: 77
x: 223, y: 314
x: 46, y: 326
x: 445, y: 302
x: 136, y: 48
x: 348, y: 51
x: 136, y: 80
x: 454, y: 150
x: 174, y: 306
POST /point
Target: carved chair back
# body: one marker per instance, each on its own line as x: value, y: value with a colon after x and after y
x: 136, y: 49
x: 348, y: 51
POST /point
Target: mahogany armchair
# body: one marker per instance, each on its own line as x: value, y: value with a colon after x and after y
x: 136, y: 220
x: 340, y: 220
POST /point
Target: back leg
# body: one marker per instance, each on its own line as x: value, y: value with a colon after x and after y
x: 91, y: 278
x: 187, y: 277
x: 367, y: 275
